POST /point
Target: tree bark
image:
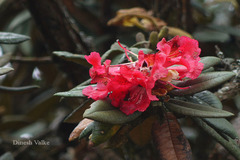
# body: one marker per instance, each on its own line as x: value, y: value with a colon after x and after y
x: 59, y: 35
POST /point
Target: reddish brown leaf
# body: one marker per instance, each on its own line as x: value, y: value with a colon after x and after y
x: 170, y: 140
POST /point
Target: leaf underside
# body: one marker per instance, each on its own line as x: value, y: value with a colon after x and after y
x: 12, y: 38
x: 170, y: 141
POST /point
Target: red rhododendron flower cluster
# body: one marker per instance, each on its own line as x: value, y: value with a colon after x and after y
x: 132, y: 86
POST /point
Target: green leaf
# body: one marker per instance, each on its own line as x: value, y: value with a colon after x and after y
x: 113, y: 52
x: 225, y: 29
x: 12, y: 38
x: 75, y: 92
x: 211, y: 69
x: 87, y: 131
x: 79, y: 59
x: 103, y: 111
x: 209, y: 35
x: 195, y: 110
x: 222, y: 125
x: 71, y: 93
x: 5, y: 59
x: 5, y: 70
x: 99, y: 132
x: 232, y: 147
x: 209, y: 61
x: 77, y: 115
x: 102, y: 132
x: 136, y: 50
x: 209, y: 98
x: 19, y: 90
x: 7, y: 156
x: 119, y: 58
x: 203, y: 82
x: 115, y: 46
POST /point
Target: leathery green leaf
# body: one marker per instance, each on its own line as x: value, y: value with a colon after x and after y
x: 103, y: 111
x: 195, y: 110
x: 222, y: 125
x: 87, y: 131
x: 71, y: 93
x: 12, y: 38
x: 209, y: 61
x: 203, y: 82
x: 79, y: 59
x: 209, y: 98
x: 232, y: 147
x: 5, y: 59
x: 114, y: 52
x: 101, y: 132
x: 75, y: 92
x: 5, y: 70
x: 211, y: 69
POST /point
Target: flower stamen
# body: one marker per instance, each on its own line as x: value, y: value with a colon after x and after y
x: 126, y: 50
x: 177, y: 86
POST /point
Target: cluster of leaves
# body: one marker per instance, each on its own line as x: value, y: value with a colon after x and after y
x: 108, y: 123
x: 59, y: 28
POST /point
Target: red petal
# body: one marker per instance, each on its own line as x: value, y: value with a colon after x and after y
x: 138, y: 101
x: 94, y: 59
x: 96, y: 93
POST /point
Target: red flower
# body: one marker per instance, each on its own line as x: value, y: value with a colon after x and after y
x: 182, y: 51
x: 132, y: 86
x: 100, y: 73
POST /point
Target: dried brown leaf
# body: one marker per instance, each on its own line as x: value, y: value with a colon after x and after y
x: 138, y: 17
x: 170, y: 140
x: 79, y: 128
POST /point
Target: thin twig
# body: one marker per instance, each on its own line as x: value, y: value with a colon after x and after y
x: 38, y: 60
